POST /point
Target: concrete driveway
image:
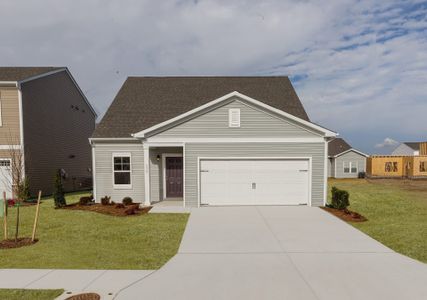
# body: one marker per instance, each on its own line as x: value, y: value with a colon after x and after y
x: 280, y: 253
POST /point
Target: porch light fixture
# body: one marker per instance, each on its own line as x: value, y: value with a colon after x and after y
x: 158, y: 157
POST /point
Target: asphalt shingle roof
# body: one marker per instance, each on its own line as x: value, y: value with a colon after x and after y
x: 337, y: 146
x: 413, y: 145
x: 21, y: 73
x: 146, y: 101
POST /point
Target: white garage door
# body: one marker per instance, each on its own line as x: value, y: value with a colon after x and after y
x: 5, y: 177
x: 254, y: 182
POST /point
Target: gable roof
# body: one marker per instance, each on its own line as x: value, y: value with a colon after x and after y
x: 22, y: 73
x: 238, y: 96
x: 413, y: 145
x: 143, y: 102
x: 337, y: 146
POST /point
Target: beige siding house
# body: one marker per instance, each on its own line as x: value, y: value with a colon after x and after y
x: 45, y: 116
x: 210, y: 141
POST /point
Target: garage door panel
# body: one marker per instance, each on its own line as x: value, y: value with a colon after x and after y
x: 254, y: 182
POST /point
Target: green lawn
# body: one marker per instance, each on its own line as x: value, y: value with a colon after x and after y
x: 396, y: 212
x: 70, y: 239
x: 19, y: 294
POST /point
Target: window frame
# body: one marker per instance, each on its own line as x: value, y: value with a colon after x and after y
x: 350, y: 166
x: 423, y: 163
x: 394, y: 166
x: 232, y: 124
x: 119, y: 186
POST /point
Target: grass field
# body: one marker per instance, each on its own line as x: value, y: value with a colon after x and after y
x: 396, y: 211
x: 20, y: 294
x: 71, y: 239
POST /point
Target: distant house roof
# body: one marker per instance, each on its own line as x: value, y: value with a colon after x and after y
x: 143, y: 102
x: 413, y: 145
x: 337, y: 146
x: 21, y: 73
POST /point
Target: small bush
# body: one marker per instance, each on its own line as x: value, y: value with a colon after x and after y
x: 105, y: 200
x: 361, y: 175
x: 59, y: 194
x: 340, y: 199
x: 127, y: 201
x: 85, y: 200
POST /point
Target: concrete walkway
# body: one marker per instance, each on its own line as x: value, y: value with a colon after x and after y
x: 280, y: 253
x: 105, y: 283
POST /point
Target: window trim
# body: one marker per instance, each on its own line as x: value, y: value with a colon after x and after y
x: 350, y: 165
x: 232, y: 111
x: 121, y: 186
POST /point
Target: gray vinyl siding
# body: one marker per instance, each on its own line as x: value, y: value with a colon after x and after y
x: 156, y: 172
x: 195, y: 150
x: 104, y: 172
x: 56, y: 133
x: 254, y: 123
x: 352, y: 157
x: 331, y: 167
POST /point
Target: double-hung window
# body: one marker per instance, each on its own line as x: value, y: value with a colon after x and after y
x: 122, y: 171
x: 350, y: 167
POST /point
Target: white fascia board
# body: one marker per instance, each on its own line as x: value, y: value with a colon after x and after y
x: 326, y: 132
x: 349, y: 150
x: 94, y: 140
x: 9, y: 83
x: 160, y: 140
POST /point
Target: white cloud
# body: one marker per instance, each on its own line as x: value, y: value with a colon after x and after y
x: 363, y: 63
x: 387, y: 143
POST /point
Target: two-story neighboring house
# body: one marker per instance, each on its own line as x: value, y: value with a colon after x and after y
x: 45, y: 116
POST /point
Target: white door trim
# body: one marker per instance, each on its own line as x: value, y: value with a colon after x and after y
x: 164, y: 155
x: 200, y: 158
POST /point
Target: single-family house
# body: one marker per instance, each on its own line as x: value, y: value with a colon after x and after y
x: 45, y: 121
x: 210, y: 141
x: 345, y: 161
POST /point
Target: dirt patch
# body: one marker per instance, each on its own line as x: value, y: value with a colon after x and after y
x: 119, y: 210
x: 346, y: 215
x: 22, y: 242
x: 85, y: 296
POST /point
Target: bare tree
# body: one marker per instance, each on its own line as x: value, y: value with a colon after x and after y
x: 14, y: 176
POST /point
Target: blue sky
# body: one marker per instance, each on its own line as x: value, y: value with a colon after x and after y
x: 360, y: 67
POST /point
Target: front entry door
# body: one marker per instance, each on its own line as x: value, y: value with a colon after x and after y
x: 174, y: 177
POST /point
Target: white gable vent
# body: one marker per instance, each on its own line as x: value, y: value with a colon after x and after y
x: 234, y: 117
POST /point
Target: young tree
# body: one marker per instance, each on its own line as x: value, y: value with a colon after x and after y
x: 15, y: 176
x: 58, y: 195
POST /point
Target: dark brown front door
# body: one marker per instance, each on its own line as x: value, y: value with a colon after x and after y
x: 174, y: 177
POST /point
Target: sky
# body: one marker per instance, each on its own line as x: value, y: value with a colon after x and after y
x: 359, y: 67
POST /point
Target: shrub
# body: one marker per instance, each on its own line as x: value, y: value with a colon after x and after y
x: 85, y: 200
x: 127, y: 201
x: 105, y: 200
x: 23, y: 190
x: 58, y: 194
x: 340, y: 199
x: 361, y: 175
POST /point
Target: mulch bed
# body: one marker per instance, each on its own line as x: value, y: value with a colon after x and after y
x: 119, y: 210
x: 22, y: 242
x: 346, y: 215
x: 85, y: 296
